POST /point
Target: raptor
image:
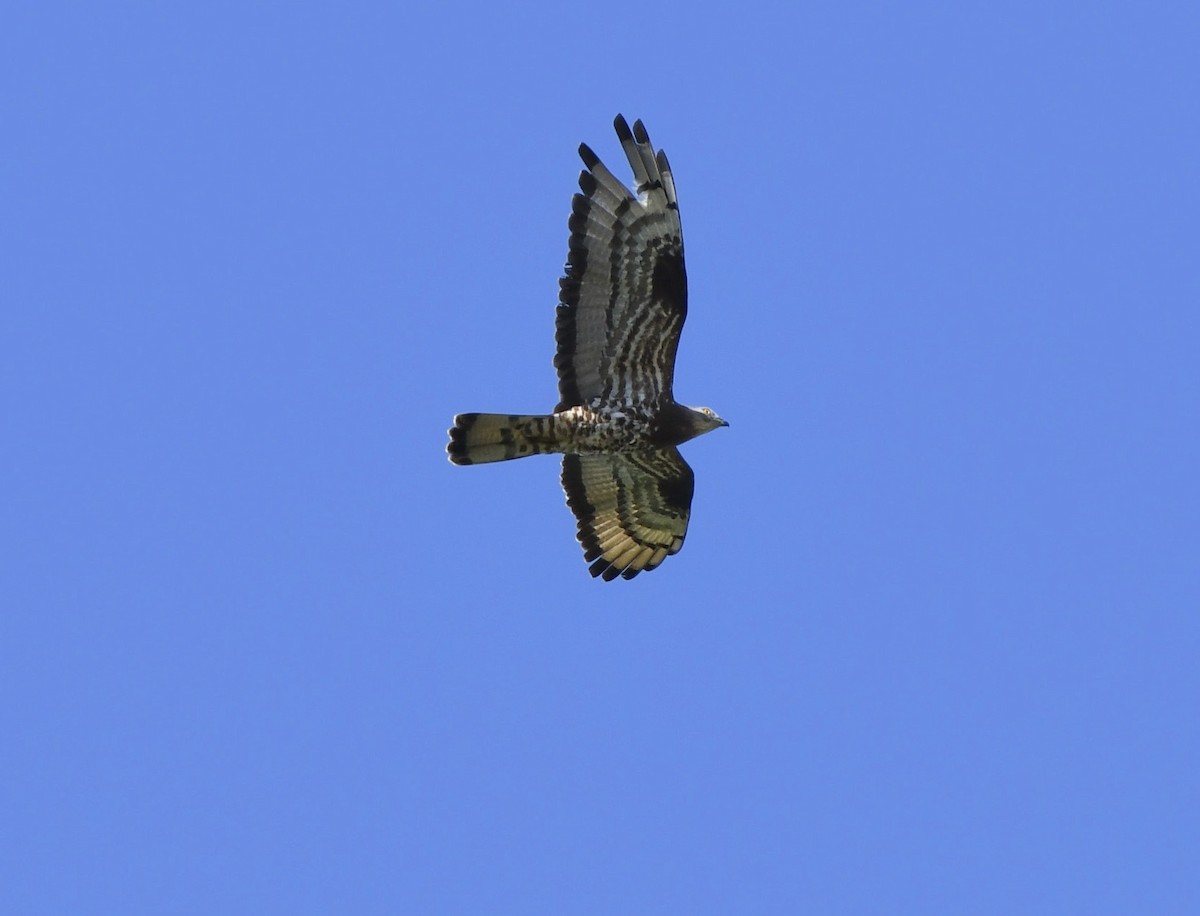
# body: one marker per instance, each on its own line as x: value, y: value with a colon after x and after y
x: 622, y: 303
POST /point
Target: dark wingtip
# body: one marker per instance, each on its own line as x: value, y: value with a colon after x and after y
x: 590, y: 159
x: 622, y: 128
x: 639, y: 132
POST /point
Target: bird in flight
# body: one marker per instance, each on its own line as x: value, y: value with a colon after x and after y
x: 621, y: 308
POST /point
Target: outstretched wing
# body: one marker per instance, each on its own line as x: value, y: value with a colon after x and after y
x: 623, y: 299
x: 632, y: 508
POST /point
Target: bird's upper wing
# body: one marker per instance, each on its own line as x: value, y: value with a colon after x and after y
x: 623, y: 298
x: 632, y: 507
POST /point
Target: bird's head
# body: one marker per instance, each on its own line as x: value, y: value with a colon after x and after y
x: 705, y: 419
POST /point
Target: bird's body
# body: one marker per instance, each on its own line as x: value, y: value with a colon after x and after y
x: 622, y: 304
x: 580, y: 430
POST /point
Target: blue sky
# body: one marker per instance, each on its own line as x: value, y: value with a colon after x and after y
x: 931, y: 646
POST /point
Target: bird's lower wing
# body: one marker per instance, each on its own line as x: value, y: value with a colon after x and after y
x: 632, y: 508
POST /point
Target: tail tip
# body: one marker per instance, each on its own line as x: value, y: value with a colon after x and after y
x: 456, y: 448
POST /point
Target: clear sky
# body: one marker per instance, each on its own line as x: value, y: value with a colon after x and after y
x: 932, y: 643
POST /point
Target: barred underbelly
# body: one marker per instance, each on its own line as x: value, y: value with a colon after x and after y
x: 584, y: 430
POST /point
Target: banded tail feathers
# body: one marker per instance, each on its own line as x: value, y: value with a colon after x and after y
x: 479, y: 438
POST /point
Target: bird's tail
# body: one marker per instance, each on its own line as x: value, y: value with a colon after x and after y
x: 478, y: 438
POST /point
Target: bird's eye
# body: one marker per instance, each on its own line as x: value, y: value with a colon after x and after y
x: 708, y: 411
